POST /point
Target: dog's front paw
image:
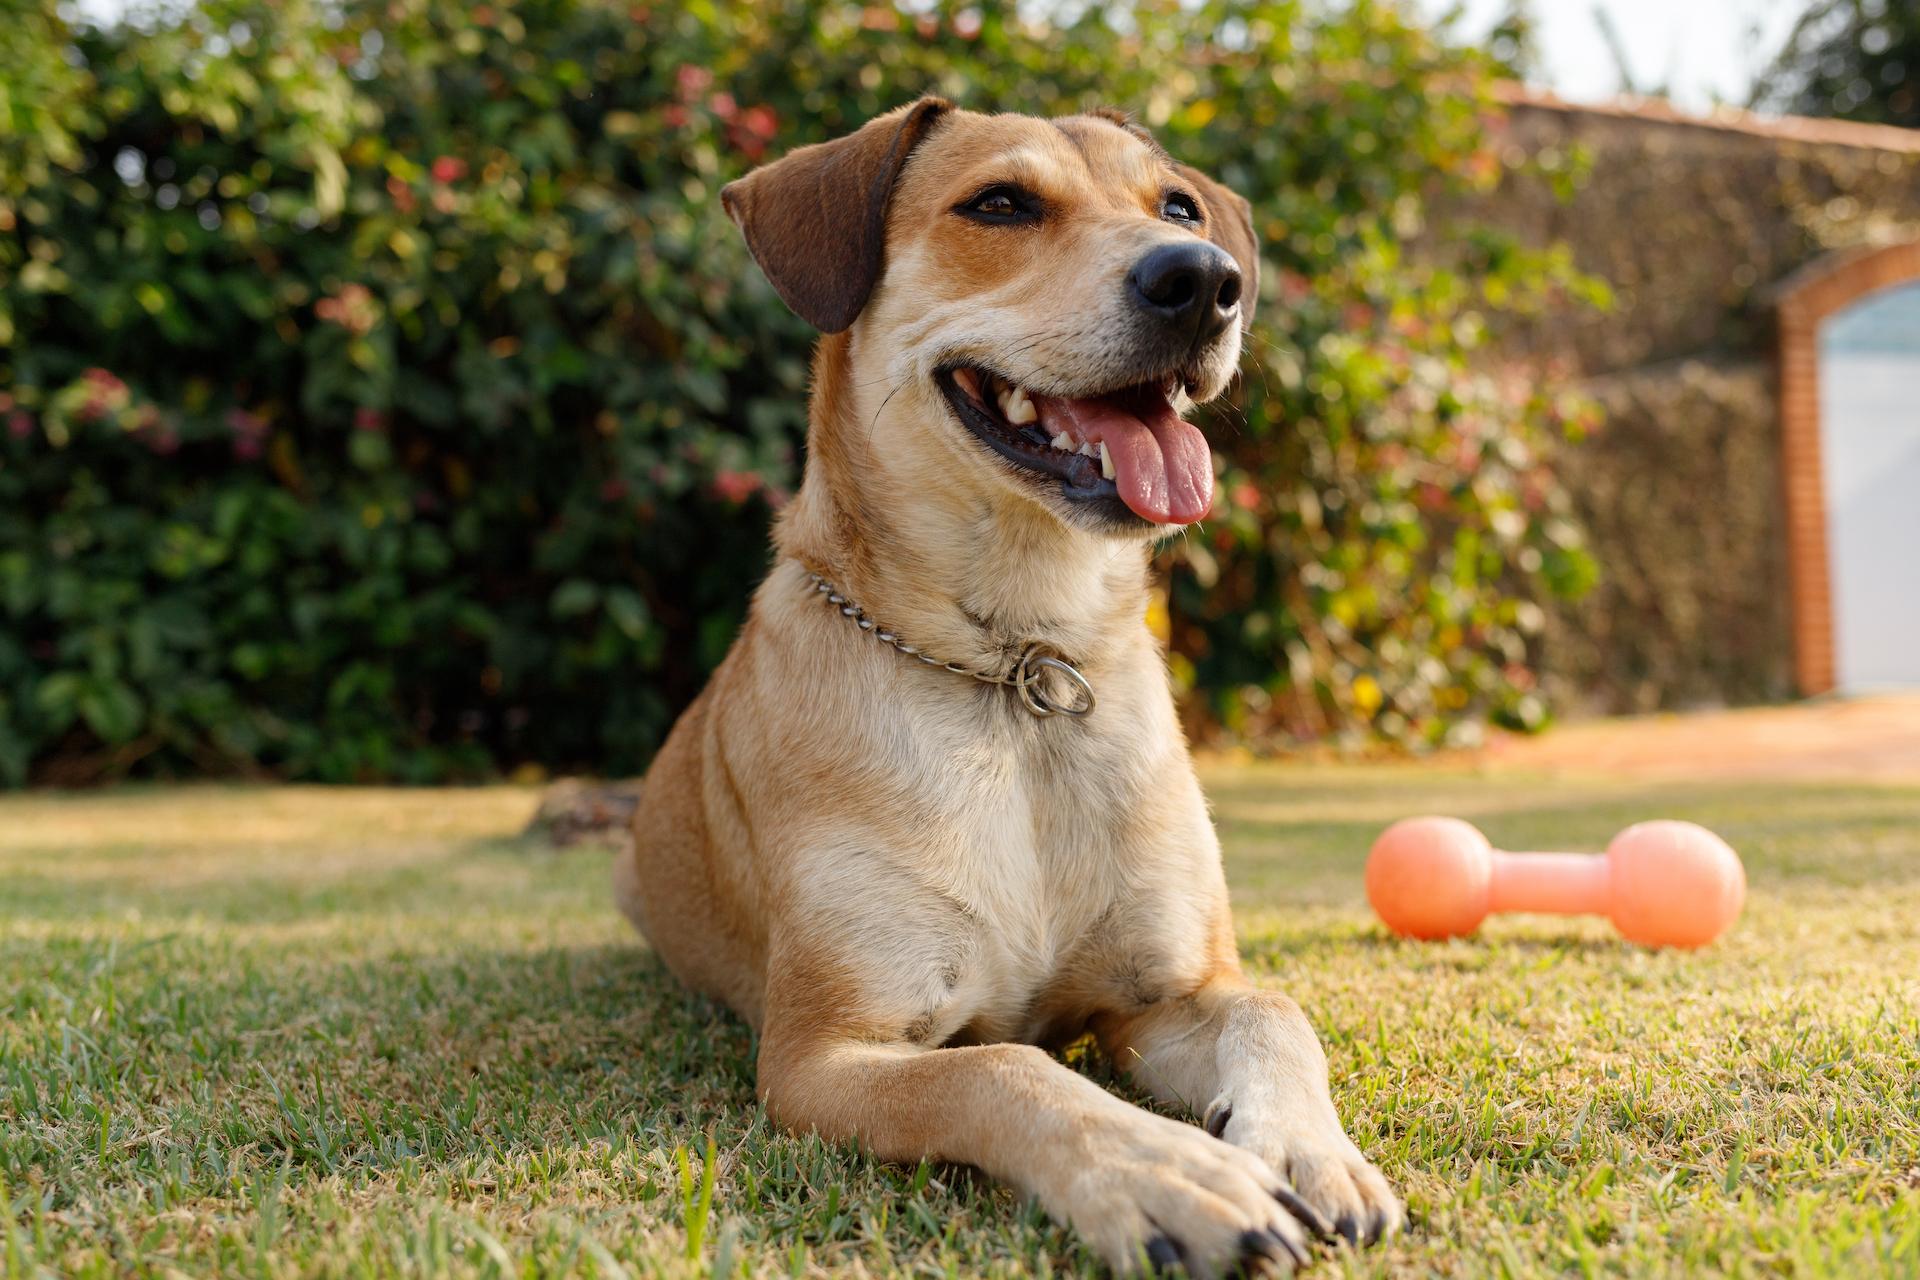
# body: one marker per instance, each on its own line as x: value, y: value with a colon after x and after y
x: 1333, y: 1188
x: 1156, y: 1192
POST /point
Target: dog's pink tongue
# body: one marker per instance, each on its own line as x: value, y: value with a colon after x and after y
x: 1161, y: 465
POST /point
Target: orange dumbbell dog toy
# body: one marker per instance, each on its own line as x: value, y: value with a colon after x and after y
x: 1664, y: 884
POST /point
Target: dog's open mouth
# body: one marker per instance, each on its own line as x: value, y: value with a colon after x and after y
x: 1128, y: 443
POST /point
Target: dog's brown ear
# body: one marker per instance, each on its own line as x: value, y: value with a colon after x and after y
x: 816, y: 219
x: 1230, y: 225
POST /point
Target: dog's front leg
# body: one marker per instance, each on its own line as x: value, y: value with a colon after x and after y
x: 1247, y: 1063
x: 1136, y: 1186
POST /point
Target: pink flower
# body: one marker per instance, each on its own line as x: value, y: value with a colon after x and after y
x: 722, y: 105
x: 353, y: 309
x: 245, y: 425
x: 20, y: 424
x: 105, y: 394
x: 675, y: 117
x: 246, y: 448
x: 692, y: 81
x: 449, y: 169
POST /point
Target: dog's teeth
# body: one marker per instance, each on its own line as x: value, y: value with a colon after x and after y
x: 1088, y: 449
x: 1106, y: 461
x: 1018, y: 406
x: 1063, y: 442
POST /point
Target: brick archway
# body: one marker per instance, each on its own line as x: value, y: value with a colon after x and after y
x: 1829, y: 284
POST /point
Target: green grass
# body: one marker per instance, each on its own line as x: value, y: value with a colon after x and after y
x: 278, y: 1032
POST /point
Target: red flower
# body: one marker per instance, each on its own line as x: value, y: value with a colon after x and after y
x: 104, y: 383
x: 246, y: 448
x: 675, y: 116
x: 747, y: 144
x: 449, y: 169
x: 401, y: 194
x: 20, y: 424
x: 612, y: 490
x: 245, y: 425
x: 369, y: 420
x: 761, y: 122
x: 735, y: 486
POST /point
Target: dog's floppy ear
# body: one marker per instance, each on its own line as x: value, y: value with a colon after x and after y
x: 816, y: 219
x: 1230, y: 225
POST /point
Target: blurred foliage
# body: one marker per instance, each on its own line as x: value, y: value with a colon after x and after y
x: 1855, y: 59
x: 1513, y: 41
x: 383, y: 393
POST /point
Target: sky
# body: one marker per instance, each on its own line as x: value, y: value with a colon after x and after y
x: 1705, y: 50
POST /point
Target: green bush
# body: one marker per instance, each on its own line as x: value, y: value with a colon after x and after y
x: 383, y: 393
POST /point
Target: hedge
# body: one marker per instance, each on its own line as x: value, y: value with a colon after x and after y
x: 386, y: 396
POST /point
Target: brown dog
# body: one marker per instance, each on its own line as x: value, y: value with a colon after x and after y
x: 908, y: 873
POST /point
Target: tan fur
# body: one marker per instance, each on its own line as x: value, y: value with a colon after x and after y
x: 899, y: 876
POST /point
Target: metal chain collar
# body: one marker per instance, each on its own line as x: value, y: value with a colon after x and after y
x: 1024, y: 679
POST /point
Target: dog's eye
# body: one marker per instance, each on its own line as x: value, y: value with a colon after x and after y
x: 1179, y: 207
x: 1001, y: 204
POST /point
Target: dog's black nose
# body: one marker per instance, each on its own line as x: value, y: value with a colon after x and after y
x: 1193, y: 287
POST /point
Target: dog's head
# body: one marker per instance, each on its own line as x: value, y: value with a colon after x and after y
x: 1047, y: 296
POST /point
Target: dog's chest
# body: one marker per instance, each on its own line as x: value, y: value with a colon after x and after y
x: 1040, y: 844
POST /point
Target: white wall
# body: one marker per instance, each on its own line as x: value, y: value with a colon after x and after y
x: 1870, y: 454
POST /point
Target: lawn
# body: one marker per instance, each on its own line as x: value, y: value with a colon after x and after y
x: 293, y: 1031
